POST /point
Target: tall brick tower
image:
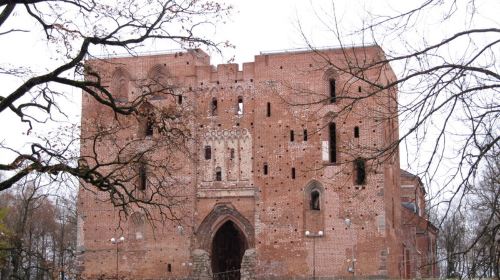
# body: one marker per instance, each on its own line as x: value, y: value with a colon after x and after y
x: 277, y: 176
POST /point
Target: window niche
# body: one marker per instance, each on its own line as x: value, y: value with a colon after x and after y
x: 213, y: 107
x: 208, y: 152
x: 268, y: 111
x: 360, y: 171
x: 314, y: 201
x: 356, y: 132
x: 142, y: 176
x: 305, y: 135
x: 265, y: 168
x: 332, y: 142
x: 146, y: 121
x: 218, y: 174
x: 239, y: 106
x: 332, y: 91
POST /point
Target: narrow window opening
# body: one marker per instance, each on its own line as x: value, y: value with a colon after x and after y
x: 239, y: 109
x: 268, y: 109
x: 142, y: 176
x: 293, y: 172
x: 359, y: 88
x: 179, y: 99
x: 169, y: 267
x: 266, y: 169
x: 213, y: 107
x: 333, y: 95
x: 360, y: 165
x: 315, y: 200
x: 218, y: 174
x: 356, y: 132
x: 149, y: 124
x: 232, y: 154
x: 208, y: 152
x: 292, y: 136
x: 305, y: 134
x: 333, y: 143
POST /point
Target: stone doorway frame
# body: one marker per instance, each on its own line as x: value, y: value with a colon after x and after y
x: 220, y: 214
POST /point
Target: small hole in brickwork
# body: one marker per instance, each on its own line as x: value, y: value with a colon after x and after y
x: 190, y: 88
x: 187, y: 62
x: 235, y: 81
x: 217, y: 82
x: 310, y: 65
x: 333, y: 228
x: 251, y: 80
x: 201, y: 83
x: 281, y: 67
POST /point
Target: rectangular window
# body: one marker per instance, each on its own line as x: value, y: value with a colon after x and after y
x: 292, y: 136
x: 266, y: 169
x: 218, y: 174
x: 239, y: 109
x: 305, y: 134
x: 360, y: 169
x: 149, y: 125
x: 332, y: 142
x: 179, y: 99
x: 293, y: 172
x: 213, y: 107
x: 333, y: 95
x: 142, y: 176
x: 268, y: 109
x: 208, y: 152
x: 356, y: 132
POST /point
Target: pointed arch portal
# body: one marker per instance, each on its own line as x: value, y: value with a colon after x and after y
x: 225, y: 234
x: 228, y: 246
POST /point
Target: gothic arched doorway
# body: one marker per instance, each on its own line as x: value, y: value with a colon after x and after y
x: 228, y: 246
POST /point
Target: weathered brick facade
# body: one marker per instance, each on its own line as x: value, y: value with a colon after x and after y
x: 271, y: 155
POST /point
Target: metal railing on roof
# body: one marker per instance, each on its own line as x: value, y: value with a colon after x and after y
x: 142, y: 53
x: 306, y: 49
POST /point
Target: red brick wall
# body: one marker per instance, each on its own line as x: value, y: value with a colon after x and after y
x: 276, y: 205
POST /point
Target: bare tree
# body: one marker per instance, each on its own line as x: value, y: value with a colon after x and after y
x: 76, y: 30
x: 448, y: 105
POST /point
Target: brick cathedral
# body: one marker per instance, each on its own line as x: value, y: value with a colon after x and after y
x: 286, y: 169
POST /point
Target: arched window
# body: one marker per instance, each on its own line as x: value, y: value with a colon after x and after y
x: 315, y: 200
x: 218, y: 174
